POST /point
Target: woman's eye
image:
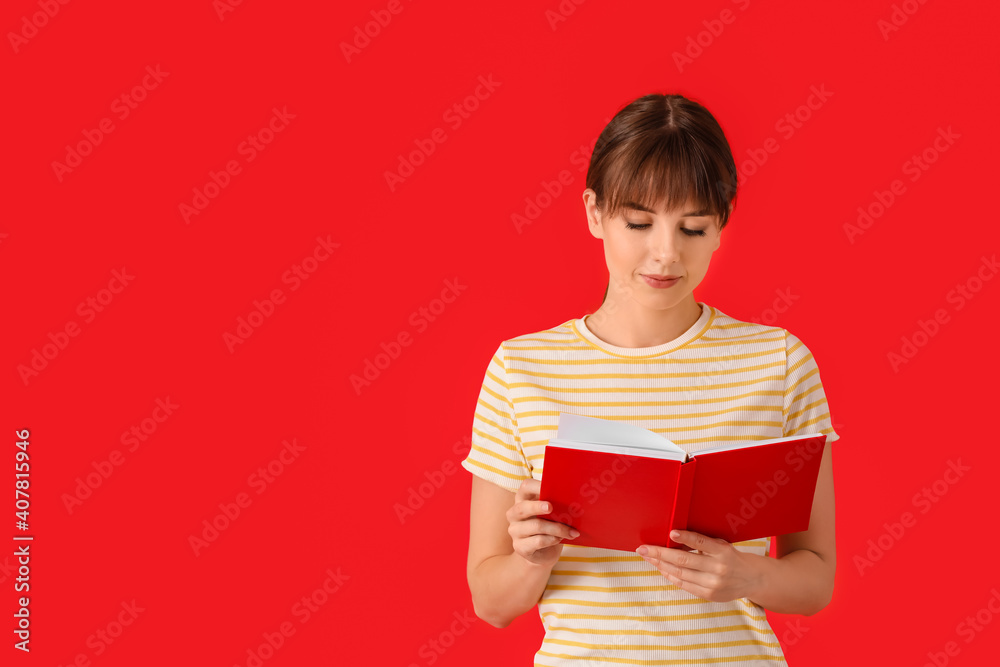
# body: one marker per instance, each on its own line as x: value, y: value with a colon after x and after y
x: 689, y: 232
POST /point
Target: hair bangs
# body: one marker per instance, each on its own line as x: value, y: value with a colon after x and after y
x: 663, y: 152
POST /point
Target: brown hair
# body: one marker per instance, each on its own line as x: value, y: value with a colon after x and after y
x: 663, y: 149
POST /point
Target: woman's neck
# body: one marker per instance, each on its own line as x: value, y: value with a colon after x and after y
x: 632, y: 325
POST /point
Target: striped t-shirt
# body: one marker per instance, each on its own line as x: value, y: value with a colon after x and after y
x: 722, y: 380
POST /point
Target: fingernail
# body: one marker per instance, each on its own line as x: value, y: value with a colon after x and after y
x: 574, y: 533
x: 642, y: 551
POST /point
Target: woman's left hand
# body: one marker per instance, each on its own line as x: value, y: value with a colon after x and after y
x: 720, y: 573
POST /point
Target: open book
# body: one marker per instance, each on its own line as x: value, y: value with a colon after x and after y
x: 622, y: 485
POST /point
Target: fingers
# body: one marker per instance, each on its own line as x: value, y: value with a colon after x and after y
x: 536, y: 542
x: 526, y: 502
x: 527, y: 509
x: 526, y: 523
x: 550, y: 531
x: 528, y: 490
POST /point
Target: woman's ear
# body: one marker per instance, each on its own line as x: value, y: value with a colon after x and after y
x: 594, y: 220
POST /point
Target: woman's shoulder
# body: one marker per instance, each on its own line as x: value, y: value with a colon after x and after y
x: 763, y: 330
x: 763, y: 327
x: 555, y: 334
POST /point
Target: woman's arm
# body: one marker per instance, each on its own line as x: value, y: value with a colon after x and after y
x: 800, y: 580
x: 503, y: 584
x: 505, y: 587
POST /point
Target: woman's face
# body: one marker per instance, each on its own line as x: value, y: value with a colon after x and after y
x: 641, y: 245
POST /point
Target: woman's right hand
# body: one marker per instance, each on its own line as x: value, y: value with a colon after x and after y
x: 537, y: 540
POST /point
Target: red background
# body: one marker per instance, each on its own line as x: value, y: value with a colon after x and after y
x: 336, y: 505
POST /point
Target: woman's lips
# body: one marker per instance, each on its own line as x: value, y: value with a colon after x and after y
x: 660, y: 284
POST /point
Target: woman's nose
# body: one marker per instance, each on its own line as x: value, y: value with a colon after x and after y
x: 664, y: 248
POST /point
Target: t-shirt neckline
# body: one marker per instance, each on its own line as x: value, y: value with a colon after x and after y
x: 696, y: 330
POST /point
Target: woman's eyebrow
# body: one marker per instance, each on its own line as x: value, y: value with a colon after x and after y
x: 640, y: 207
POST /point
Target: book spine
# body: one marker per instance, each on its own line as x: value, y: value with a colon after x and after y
x: 682, y: 502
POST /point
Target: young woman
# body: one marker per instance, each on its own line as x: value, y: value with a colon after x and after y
x: 661, y: 187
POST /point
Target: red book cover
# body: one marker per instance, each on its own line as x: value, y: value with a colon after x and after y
x: 622, y: 486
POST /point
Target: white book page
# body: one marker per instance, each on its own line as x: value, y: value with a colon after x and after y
x: 752, y: 443
x: 618, y: 449
x: 596, y: 431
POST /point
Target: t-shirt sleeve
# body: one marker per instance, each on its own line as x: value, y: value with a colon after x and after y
x: 805, y: 407
x: 496, y: 454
